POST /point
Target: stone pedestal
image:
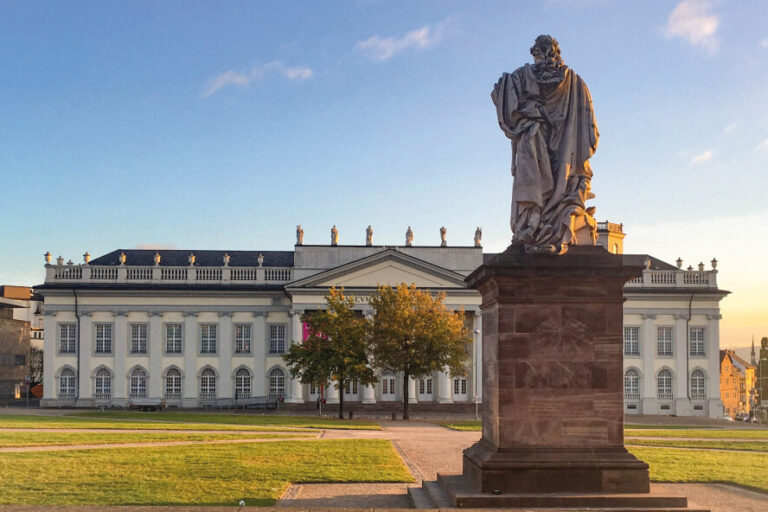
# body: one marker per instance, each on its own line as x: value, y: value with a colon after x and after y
x: 553, y: 376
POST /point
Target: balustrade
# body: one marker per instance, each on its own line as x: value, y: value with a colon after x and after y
x: 103, y: 272
x: 139, y: 273
x: 160, y: 273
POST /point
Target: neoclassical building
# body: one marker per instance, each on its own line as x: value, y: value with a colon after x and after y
x: 202, y: 327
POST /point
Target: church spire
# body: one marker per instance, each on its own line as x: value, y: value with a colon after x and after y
x: 754, y: 359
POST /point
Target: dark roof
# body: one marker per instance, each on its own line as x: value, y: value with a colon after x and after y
x: 488, y: 256
x: 639, y: 260
x: 161, y: 286
x: 179, y: 258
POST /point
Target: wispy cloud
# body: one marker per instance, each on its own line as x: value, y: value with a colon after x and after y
x: 764, y: 42
x: 692, y: 21
x: 730, y: 128
x: 241, y: 79
x: 384, y: 48
x: 763, y: 145
x: 703, y: 157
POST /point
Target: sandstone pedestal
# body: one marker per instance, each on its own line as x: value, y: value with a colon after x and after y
x: 552, y: 387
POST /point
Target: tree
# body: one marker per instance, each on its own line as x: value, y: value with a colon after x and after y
x: 336, y: 347
x: 35, y: 366
x: 413, y: 333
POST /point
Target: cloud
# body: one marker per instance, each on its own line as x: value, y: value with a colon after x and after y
x: 730, y: 128
x: 763, y: 145
x: 691, y: 21
x: 764, y: 42
x: 384, y: 48
x: 256, y: 73
x: 703, y: 157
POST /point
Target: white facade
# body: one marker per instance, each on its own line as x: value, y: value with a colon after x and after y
x: 213, y: 326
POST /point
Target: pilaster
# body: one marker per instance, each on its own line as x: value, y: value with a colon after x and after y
x: 155, y: 384
x: 648, y: 353
x: 444, y: 388
x: 190, y: 357
x: 714, y: 404
x: 297, y: 389
x: 259, y: 349
x: 85, y: 353
x: 120, y: 353
x: 682, y: 401
x: 50, y: 350
x: 224, y: 386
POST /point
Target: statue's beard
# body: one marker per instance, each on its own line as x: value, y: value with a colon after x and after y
x: 549, y: 71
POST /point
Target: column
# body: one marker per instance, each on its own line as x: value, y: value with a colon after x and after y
x: 682, y: 402
x: 259, y: 349
x: 85, y: 353
x: 477, y: 373
x: 224, y: 350
x: 119, y: 354
x: 648, y: 352
x: 50, y: 350
x: 714, y: 404
x: 155, y: 355
x: 369, y: 390
x: 190, y: 358
x: 297, y: 389
x: 444, y: 388
x: 331, y: 393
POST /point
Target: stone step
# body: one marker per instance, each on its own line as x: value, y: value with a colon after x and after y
x: 438, y: 497
x: 419, y: 498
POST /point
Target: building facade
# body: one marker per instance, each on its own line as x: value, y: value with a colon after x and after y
x: 737, y: 384
x: 14, y: 346
x: 197, y: 326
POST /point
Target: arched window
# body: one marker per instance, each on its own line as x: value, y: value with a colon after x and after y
x: 664, y: 385
x: 138, y: 388
x: 67, y: 384
x: 173, y: 384
x: 208, y: 384
x: 698, y: 391
x: 631, y: 385
x: 103, y: 384
x: 242, y: 383
x: 277, y: 382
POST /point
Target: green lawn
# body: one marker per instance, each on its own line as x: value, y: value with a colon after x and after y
x: 20, y: 421
x: 467, y: 425
x: 689, y: 466
x: 18, y: 439
x: 701, y: 433
x: 757, y: 446
x: 193, y: 475
x: 237, y: 419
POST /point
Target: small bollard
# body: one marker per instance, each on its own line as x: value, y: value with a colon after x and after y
x: 394, y: 416
x: 350, y: 414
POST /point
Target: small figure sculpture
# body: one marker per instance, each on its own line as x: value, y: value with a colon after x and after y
x: 546, y: 110
x: 48, y: 257
x: 86, y: 257
x: 260, y: 259
x: 443, y: 233
x: 299, y: 235
x: 334, y: 235
x: 122, y: 258
x: 156, y: 258
x: 409, y: 237
x: 478, y: 237
x: 369, y: 235
x: 191, y: 259
x: 225, y: 259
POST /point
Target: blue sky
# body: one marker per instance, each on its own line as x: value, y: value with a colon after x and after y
x: 222, y: 125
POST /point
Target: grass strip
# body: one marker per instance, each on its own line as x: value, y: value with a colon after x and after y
x: 733, y: 433
x: 30, y: 421
x: 20, y: 439
x: 468, y: 425
x: 755, y: 446
x: 747, y: 470
x: 213, y: 475
x: 238, y: 419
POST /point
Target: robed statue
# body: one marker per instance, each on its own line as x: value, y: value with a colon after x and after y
x: 545, y: 109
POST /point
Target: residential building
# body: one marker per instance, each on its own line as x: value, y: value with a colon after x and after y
x: 737, y: 383
x: 14, y: 347
x: 192, y: 326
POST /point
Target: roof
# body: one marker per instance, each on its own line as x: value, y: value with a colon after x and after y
x: 737, y: 361
x: 179, y: 258
x: 639, y: 260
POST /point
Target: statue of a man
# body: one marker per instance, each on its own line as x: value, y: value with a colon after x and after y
x: 369, y: 235
x: 299, y: 235
x: 334, y: 235
x: 443, y: 233
x: 409, y: 237
x: 478, y: 237
x: 546, y: 110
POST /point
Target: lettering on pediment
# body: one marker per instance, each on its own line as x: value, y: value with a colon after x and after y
x: 389, y: 273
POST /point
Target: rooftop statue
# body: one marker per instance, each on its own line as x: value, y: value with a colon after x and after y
x: 369, y: 235
x: 546, y: 110
x: 299, y: 235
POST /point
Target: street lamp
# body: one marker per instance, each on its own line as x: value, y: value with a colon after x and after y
x: 476, y: 332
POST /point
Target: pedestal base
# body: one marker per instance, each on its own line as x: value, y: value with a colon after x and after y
x: 543, y: 470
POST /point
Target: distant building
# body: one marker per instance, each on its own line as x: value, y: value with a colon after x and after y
x: 14, y: 344
x: 194, y: 326
x: 761, y: 363
x: 29, y: 308
x: 737, y: 383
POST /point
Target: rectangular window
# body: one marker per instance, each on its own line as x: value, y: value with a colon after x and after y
x: 696, y: 341
x: 103, y: 338
x: 350, y: 388
x: 664, y: 341
x: 208, y: 338
x: 173, y: 338
x: 139, y: 338
x: 19, y: 359
x: 67, y: 338
x: 631, y: 341
x: 276, y: 338
x: 243, y: 339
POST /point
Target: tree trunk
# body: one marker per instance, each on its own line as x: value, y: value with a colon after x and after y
x: 341, y: 399
x: 406, y: 378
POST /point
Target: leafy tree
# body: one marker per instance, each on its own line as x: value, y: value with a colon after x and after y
x: 35, y: 366
x: 413, y: 333
x: 336, y: 347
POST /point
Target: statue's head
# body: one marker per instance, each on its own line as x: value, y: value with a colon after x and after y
x: 546, y: 48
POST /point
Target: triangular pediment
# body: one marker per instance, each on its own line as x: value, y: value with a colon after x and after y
x: 386, y: 268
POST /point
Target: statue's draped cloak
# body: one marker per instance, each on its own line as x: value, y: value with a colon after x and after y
x: 553, y: 135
